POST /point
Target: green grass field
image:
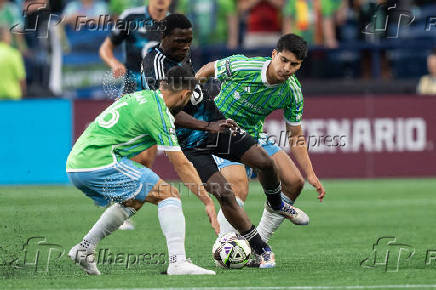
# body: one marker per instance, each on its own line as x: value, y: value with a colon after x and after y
x: 326, y: 254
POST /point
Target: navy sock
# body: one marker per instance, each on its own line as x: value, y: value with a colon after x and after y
x: 274, y: 197
x: 256, y: 242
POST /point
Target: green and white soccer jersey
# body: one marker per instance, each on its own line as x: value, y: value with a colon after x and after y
x: 247, y: 98
x: 129, y: 126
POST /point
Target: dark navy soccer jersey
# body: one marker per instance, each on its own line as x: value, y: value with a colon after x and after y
x: 155, y: 66
x: 138, y: 32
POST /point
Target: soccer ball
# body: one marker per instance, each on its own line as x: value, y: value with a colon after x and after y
x: 231, y: 251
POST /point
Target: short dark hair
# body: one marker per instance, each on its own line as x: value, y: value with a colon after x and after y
x: 174, y: 21
x: 180, y: 78
x: 293, y: 43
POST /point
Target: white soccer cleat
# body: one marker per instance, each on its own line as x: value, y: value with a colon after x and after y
x: 127, y: 225
x: 187, y: 268
x: 294, y: 214
x: 268, y: 260
x: 85, y: 258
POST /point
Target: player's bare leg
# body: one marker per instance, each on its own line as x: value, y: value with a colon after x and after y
x: 236, y: 176
x: 289, y: 174
x: 146, y: 158
x: 292, y: 184
x: 236, y: 216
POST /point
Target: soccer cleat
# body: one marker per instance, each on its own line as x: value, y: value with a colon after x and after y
x: 85, y: 258
x: 294, y: 214
x: 187, y: 268
x: 268, y: 260
x: 127, y: 225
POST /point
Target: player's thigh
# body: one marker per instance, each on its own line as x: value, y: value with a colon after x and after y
x: 289, y: 174
x: 236, y: 176
x: 161, y: 191
x: 146, y: 157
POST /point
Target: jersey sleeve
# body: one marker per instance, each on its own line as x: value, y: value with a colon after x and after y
x: 293, y: 112
x: 152, y: 71
x: 162, y: 129
x: 227, y: 68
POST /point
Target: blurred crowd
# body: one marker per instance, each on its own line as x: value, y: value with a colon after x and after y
x: 31, y: 54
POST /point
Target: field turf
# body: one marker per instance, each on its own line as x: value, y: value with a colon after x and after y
x: 327, y: 254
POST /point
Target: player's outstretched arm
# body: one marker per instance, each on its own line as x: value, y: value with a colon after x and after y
x: 298, y: 147
x: 189, y: 176
x: 205, y: 72
x: 107, y: 55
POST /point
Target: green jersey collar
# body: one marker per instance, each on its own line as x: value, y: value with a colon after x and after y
x: 263, y: 75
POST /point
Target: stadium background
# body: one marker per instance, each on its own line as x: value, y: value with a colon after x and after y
x: 360, y: 85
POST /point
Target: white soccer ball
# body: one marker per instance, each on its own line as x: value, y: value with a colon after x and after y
x: 231, y: 251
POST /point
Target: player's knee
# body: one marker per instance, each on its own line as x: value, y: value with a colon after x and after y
x: 239, y: 186
x: 228, y: 201
x: 295, y: 186
x: 174, y: 192
x: 133, y: 203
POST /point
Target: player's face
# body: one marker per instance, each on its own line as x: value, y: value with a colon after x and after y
x: 284, y: 64
x: 160, y: 4
x: 177, y: 45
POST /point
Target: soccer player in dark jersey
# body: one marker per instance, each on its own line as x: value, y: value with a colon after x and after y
x: 137, y: 29
x: 140, y: 30
x: 201, y: 131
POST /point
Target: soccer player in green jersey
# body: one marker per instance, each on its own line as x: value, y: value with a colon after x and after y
x: 99, y: 165
x: 252, y: 88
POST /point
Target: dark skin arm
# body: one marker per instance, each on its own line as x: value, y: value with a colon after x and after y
x: 183, y: 119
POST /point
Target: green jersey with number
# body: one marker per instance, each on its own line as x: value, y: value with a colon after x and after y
x: 129, y: 126
x: 247, y: 98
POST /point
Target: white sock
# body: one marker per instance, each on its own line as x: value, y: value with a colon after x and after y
x: 109, y: 221
x: 172, y: 223
x: 225, y: 226
x: 270, y: 222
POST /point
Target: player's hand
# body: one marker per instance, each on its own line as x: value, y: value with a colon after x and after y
x: 314, y: 181
x: 210, y: 210
x: 118, y: 69
x: 221, y: 126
